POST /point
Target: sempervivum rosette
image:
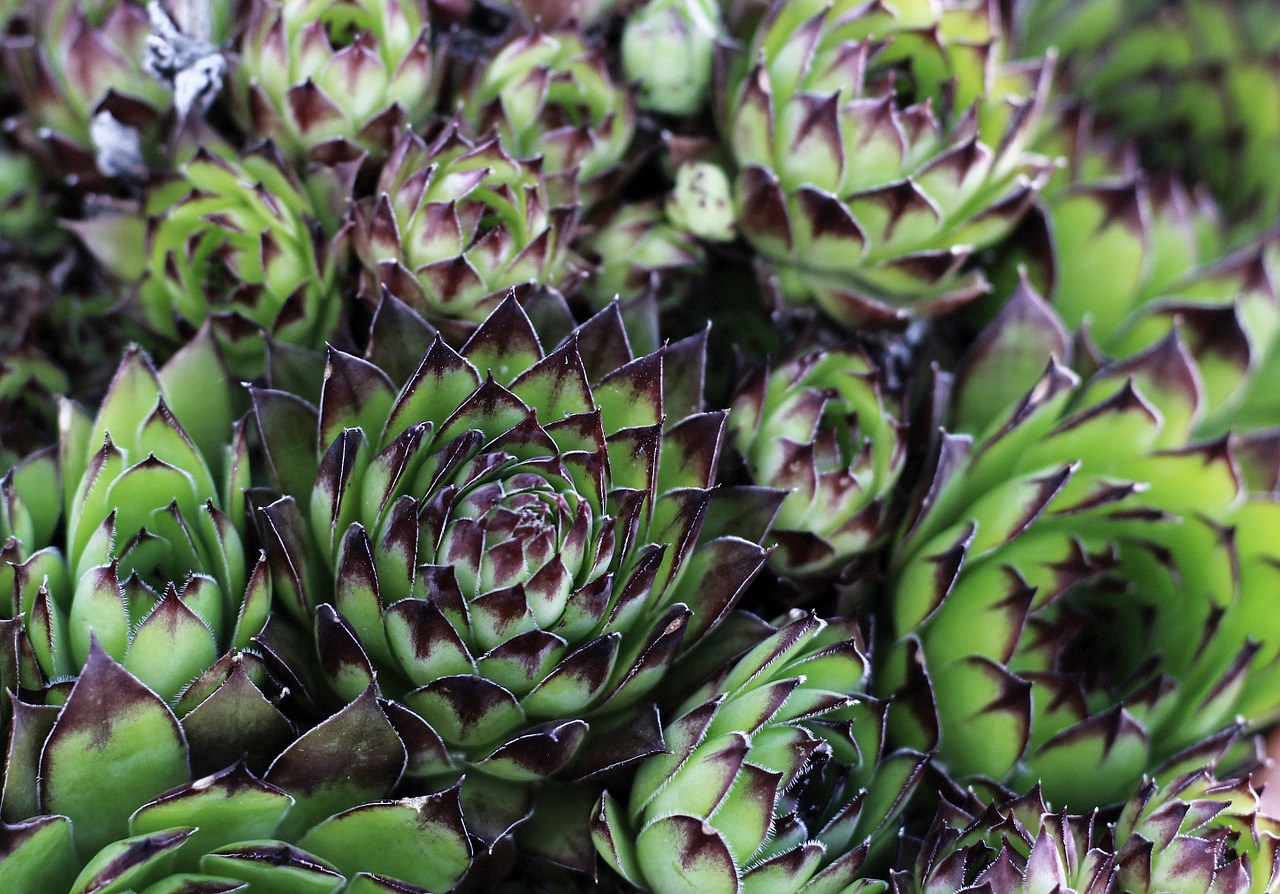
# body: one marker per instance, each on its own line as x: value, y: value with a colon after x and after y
x: 856, y: 200
x: 1170, y: 262
x: 148, y: 560
x: 1192, y: 834
x: 638, y: 251
x: 1184, y: 78
x: 454, y: 224
x: 314, y: 72
x: 100, y: 797
x: 668, y: 50
x: 514, y: 544
x: 548, y: 93
x: 774, y: 780
x: 817, y: 427
x: 1082, y: 508
x: 245, y: 244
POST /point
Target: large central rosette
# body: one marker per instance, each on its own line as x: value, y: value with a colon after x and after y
x: 509, y: 574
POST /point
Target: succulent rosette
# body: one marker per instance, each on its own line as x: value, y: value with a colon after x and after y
x: 310, y: 73
x: 245, y: 244
x: 1080, y: 582
x: 549, y: 94
x: 455, y: 224
x: 817, y: 428
x: 1183, y: 78
x: 148, y: 560
x: 1171, y: 263
x: 774, y: 780
x: 668, y: 50
x: 1192, y: 834
x: 99, y: 796
x: 877, y: 147
x: 515, y: 544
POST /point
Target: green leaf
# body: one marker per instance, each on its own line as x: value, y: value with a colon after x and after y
x: 37, y: 856
x: 421, y: 841
x: 684, y: 854
x: 229, y: 806
x: 111, y: 721
x: 122, y: 866
x: 171, y: 647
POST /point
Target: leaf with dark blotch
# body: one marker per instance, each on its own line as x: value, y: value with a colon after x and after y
x: 441, y: 382
x: 424, y: 642
x: 1113, y: 743
x: 491, y: 409
x: 603, y: 344
x: 334, y: 502
x: 986, y: 716
x: 37, y: 856
x: 236, y: 721
x: 690, y: 452
x: 281, y: 417
x: 128, y: 862
x: 1007, y: 358
x: 788, y: 871
x: 263, y: 863
x: 28, y: 728
x: 228, y: 806
x: 170, y: 647
x: 742, y: 511
x: 537, y: 753
x: 353, y: 757
x: 652, y: 661
x: 505, y: 344
x: 342, y: 658
x: 429, y: 758
x: 680, y: 853
x: 712, y: 580
x: 422, y: 841
x: 765, y: 218
x: 576, y: 682
x: 684, y: 374
x: 356, y: 394
x: 557, y: 384
x: 631, y: 395
x: 287, y: 543
x: 467, y: 709
x: 110, y: 719
x: 523, y: 661
x: 618, y: 742
x: 633, y: 458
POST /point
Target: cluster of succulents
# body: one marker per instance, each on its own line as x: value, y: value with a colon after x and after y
x: 744, y: 446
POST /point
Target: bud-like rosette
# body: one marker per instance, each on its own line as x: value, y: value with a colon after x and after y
x: 1192, y: 834
x: 817, y: 428
x: 246, y: 245
x: 1017, y: 846
x: 1084, y: 508
x: 1170, y: 264
x: 744, y: 799
x: 310, y: 73
x: 864, y: 206
x: 99, y: 795
x: 513, y: 543
x: 668, y: 47
x: 149, y: 558
x: 455, y: 224
x: 548, y: 94
x: 1186, y: 79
